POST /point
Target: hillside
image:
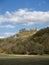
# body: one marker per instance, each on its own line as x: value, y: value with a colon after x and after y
x: 16, y: 43
x: 26, y: 42
x: 42, y: 37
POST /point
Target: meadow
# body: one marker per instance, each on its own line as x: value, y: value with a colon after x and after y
x: 24, y: 60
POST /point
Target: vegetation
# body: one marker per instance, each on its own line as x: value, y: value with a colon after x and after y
x: 24, y: 60
x: 26, y: 42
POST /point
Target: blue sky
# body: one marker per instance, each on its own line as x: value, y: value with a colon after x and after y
x: 18, y: 14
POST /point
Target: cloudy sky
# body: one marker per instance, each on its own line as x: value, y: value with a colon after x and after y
x: 18, y: 14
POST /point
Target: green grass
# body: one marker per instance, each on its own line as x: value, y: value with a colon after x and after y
x: 24, y: 60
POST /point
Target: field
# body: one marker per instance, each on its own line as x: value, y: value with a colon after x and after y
x: 24, y: 60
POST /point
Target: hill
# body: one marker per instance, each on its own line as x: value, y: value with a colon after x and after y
x: 42, y: 37
x: 26, y: 42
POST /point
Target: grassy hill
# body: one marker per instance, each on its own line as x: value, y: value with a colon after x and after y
x: 26, y: 42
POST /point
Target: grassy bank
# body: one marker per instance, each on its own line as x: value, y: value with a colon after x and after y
x: 24, y: 60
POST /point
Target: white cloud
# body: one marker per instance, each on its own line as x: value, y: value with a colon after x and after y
x: 7, y: 26
x: 7, y: 34
x: 2, y: 37
x: 25, y: 17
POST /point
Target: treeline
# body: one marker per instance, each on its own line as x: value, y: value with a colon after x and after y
x: 27, y: 43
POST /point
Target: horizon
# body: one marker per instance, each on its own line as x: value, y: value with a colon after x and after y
x: 18, y: 14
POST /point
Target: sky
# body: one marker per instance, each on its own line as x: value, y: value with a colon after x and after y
x: 19, y: 14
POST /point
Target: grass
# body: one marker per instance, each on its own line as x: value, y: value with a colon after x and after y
x: 24, y: 60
